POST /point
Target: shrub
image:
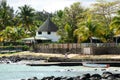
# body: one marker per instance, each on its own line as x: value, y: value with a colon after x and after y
x: 25, y: 48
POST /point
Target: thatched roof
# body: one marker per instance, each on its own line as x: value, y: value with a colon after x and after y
x: 48, y: 26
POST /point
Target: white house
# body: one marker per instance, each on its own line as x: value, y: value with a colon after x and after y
x: 48, y: 31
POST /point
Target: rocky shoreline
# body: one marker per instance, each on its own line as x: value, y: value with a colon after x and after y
x: 87, y: 76
x: 29, y: 58
x: 15, y: 59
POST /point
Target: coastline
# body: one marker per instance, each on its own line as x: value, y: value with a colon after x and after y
x: 43, y: 72
x: 47, y: 59
x: 71, y: 55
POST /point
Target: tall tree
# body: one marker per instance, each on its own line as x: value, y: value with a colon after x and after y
x: 58, y: 19
x: 40, y: 17
x: 116, y: 23
x: 87, y: 29
x: 103, y: 13
x: 69, y: 33
x: 6, y: 15
x: 26, y: 15
x: 69, y: 16
x: 12, y: 33
x: 6, y: 33
x: 72, y: 15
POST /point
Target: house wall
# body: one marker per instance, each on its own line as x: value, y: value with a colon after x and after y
x: 53, y: 36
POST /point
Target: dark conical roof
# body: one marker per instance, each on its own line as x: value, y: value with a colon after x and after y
x: 48, y: 26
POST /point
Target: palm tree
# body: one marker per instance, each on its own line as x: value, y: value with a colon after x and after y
x: 26, y: 15
x: 6, y: 33
x: 69, y: 34
x: 18, y: 33
x: 86, y: 30
x: 70, y: 16
x: 116, y: 23
x: 12, y: 33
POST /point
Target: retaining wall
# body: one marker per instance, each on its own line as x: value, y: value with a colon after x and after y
x: 96, y: 49
x: 105, y: 50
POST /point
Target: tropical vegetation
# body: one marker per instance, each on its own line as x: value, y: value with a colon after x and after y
x: 76, y: 23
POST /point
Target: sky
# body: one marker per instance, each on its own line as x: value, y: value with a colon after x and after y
x: 47, y: 5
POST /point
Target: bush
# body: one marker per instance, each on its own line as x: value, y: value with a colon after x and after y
x: 23, y: 48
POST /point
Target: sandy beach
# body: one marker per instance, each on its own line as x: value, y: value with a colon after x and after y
x: 73, y: 56
x: 68, y: 55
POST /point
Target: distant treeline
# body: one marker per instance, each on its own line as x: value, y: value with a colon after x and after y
x: 76, y: 23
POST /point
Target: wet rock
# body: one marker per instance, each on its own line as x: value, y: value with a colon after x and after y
x: 77, y: 78
x: 48, y: 78
x: 103, y: 69
x: 14, y: 58
x: 3, y: 57
x: 85, y: 77
x: 70, y: 78
x: 58, y: 78
x: 110, y: 77
x: 64, y: 78
x: 105, y: 75
x: 29, y: 79
x: 44, y: 78
x: 117, y: 75
x: 95, y: 77
x: 51, y: 78
x: 33, y: 78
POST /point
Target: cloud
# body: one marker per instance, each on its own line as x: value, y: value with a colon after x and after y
x: 47, y: 5
x: 87, y: 3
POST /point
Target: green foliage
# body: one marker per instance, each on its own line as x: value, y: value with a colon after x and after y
x: 69, y: 33
x: 18, y: 46
x: 69, y: 16
x: 6, y: 15
x: 103, y: 12
x: 26, y: 15
x: 13, y: 33
x: 87, y: 29
x: 24, y: 47
x: 75, y: 23
x: 115, y: 25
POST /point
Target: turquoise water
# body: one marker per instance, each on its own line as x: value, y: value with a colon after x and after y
x: 17, y: 72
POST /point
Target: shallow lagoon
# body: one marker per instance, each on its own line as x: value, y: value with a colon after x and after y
x: 17, y: 71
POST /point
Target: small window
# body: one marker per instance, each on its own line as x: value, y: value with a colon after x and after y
x: 39, y: 32
x: 49, y: 32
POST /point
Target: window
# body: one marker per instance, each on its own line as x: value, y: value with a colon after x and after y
x: 49, y: 32
x: 39, y: 32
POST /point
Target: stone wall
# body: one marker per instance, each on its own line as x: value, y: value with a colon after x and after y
x: 76, y: 48
x: 105, y: 50
x: 58, y: 48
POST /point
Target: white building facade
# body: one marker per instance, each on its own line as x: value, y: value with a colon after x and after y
x: 48, y: 30
x: 49, y: 35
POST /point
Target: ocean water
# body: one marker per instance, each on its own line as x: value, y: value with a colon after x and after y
x: 18, y: 72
